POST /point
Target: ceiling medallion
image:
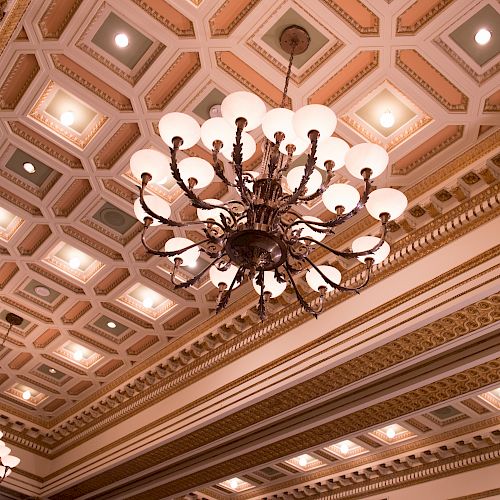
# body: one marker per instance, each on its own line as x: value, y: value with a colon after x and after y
x: 260, y: 233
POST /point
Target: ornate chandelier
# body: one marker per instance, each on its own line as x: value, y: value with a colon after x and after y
x: 8, y: 461
x: 260, y: 233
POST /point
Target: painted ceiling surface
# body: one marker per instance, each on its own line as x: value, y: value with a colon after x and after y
x: 165, y: 399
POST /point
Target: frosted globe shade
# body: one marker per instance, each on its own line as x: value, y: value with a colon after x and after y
x: 179, y: 125
x: 308, y: 232
x: 4, y: 472
x: 10, y: 461
x: 278, y: 120
x: 213, y: 213
x: 189, y: 257
x: 366, y: 155
x: 199, y: 169
x: 151, y: 162
x: 314, y: 117
x: 271, y: 285
x: 295, y: 175
x: 364, y: 243
x: 315, y: 280
x: 388, y: 200
x: 243, y: 105
x: 300, y: 145
x: 1, y: 435
x: 4, y: 451
x: 157, y: 205
x: 217, y: 129
x: 247, y: 150
x: 331, y: 148
x: 342, y: 195
x: 217, y: 276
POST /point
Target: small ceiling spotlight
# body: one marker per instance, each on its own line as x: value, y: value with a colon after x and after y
x: 303, y: 461
x: 344, y: 449
x: 483, y: 36
x: 26, y: 395
x: 147, y: 302
x: 391, y: 433
x: 29, y: 167
x: 74, y: 263
x: 121, y: 40
x: 234, y: 483
x: 67, y: 118
x: 52, y: 370
x: 111, y: 324
x: 387, y: 119
x: 78, y: 355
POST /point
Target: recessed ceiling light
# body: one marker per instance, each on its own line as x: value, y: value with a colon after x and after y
x: 387, y: 119
x: 78, y: 355
x: 42, y: 291
x: 483, y: 36
x: 52, y: 370
x: 344, y: 449
x: 74, y: 262
x: 67, y: 118
x: 26, y: 395
x: 147, y: 302
x: 391, y: 433
x: 234, y: 483
x: 111, y: 324
x: 29, y: 167
x: 302, y: 460
x: 121, y: 40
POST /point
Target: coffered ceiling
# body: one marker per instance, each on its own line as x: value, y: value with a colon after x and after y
x: 141, y: 391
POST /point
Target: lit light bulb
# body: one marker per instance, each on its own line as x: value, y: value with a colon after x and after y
x: 29, y: 167
x: 302, y: 460
x: 111, y: 324
x: 147, y: 302
x: 121, y: 40
x: 52, y: 370
x: 483, y: 36
x: 391, y: 433
x: 26, y: 395
x: 233, y: 483
x: 78, y: 355
x: 67, y: 118
x: 387, y: 119
x: 74, y: 263
x: 344, y: 449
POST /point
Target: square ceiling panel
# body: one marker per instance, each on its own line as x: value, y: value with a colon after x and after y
x: 138, y: 44
x: 463, y: 36
x: 25, y: 323
x: 78, y: 354
x: 115, y: 218
x: 146, y: 301
x: 16, y: 164
x: 492, y: 397
x: 305, y: 462
x: 26, y: 394
x: 111, y: 326
x: 83, y: 123
x: 9, y: 224
x: 213, y: 98
x: 236, y: 484
x: 51, y: 372
x: 392, y: 434
x: 40, y: 294
x: 346, y: 449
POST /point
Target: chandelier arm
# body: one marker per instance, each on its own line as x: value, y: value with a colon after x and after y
x: 305, y: 305
x: 195, y: 279
x: 237, y: 163
x: 151, y: 213
x: 173, y: 253
x: 6, y: 469
x: 226, y: 294
x: 219, y: 168
x: 320, y: 190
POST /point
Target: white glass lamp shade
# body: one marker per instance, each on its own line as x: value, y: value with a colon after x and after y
x: 217, y: 276
x: 10, y: 461
x: 366, y: 155
x: 247, y: 150
x: 157, y: 205
x: 211, y: 214
x: 300, y: 145
x: 331, y: 148
x: 4, y: 472
x: 1, y: 434
x: 295, y: 175
x: 270, y: 285
x: 308, y: 232
x: 189, y: 257
x: 278, y: 120
x: 340, y: 195
x: 179, y: 125
x: 4, y: 451
x: 364, y: 243
x: 386, y: 200
x: 217, y: 129
x: 243, y: 105
x: 315, y: 280
x: 314, y: 117
x: 199, y: 169
x: 150, y: 162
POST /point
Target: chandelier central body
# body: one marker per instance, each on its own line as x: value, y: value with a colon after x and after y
x: 261, y: 233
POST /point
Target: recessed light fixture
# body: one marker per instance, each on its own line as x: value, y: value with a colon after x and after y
x: 234, y: 483
x: 29, y: 167
x: 147, y: 302
x: 387, y: 119
x: 67, y: 118
x: 344, y: 449
x: 42, y: 291
x: 78, y: 355
x: 121, y: 40
x: 52, y: 370
x: 483, y: 36
x: 26, y: 395
x: 111, y: 324
x: 302, y: 460
x: 74, y: 262
x: 391, y: 433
